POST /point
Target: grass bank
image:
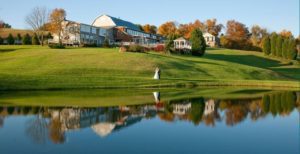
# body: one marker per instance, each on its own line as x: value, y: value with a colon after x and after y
x: 35, y: 67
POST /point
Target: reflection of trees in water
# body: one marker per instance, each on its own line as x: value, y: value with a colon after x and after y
x: 56, y: 133
x: 1, y: 121
x: 52, y: 123
x: 37, y: 129
x: 279, y: 103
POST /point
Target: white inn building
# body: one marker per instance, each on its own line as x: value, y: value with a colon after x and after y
x: 115, y: 30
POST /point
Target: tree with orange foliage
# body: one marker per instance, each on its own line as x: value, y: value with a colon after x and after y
x: 167, y: 29
x: 56, y: 134
x: 150, y: 29
x: 286, y: 34
x: 212, y: 27
x: 57, y: 16
x: 237, y: 36
x: 185, y: 30
x: 257, y: 36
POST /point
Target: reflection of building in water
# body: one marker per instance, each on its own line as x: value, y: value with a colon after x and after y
x: 181, y: 108
x: 209, y: 107
x: 103, y: 129
x: 102, y: 120
x: 71, y: 118
x: 106, y: 128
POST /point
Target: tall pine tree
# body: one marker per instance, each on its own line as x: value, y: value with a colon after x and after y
x: 279, y: 46
x: 292, y: 50
x: 273, y: 43
x: 266, y: 45
x: 285, y: 48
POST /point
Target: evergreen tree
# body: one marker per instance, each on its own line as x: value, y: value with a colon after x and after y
x: 292, y: 50
x: 279, y: 46
x: 35, y: 40
x: 26, y: 39
x: 10, y: 39
x: 273, y: 43
x: 19, y: 37
x: 169, y: 43
x: 198, y: 42
x: 266, y: 45
x: 1, y: 40
x: 266, y: 103
x: 285, y: 48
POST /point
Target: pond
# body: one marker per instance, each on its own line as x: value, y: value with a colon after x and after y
x: 210, y: 120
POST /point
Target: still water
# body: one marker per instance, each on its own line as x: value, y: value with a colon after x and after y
x: 209, y: 121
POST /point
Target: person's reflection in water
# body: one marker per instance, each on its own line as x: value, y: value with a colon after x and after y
x: 156, y: 97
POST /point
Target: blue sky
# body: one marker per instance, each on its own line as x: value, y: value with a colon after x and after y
x: 272, y: 14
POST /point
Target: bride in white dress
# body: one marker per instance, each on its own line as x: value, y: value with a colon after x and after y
x: 157, y: 74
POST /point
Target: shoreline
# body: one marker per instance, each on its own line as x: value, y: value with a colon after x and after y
x: 295, y: 85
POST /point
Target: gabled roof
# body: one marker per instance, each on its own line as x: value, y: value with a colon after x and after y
x: 181, y: 39
x: 207, y: 34
x: 123, y: 23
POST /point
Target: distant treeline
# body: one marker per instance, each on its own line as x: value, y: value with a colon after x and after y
x: 280, y: 46
x: 25, y: 39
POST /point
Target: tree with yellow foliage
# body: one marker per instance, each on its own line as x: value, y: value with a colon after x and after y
x: 167, y: 29
x: 149, y: 29
x: 57, y: 16
x: 286, y: 34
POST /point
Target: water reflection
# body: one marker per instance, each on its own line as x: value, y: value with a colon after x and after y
x: 52, y: 123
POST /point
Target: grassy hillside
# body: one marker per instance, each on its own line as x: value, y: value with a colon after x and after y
x: 35, y: 67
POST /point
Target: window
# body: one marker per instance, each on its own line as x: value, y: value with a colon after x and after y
x: 94, y: 30
x: 85, y: 28
x: 102, y: 32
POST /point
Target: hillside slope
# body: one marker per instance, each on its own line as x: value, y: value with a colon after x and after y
x: 33, y: 67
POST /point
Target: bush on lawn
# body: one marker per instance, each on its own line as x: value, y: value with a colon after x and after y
x: 136, y: 48
x: 56, y: 46
x: 159, y: 48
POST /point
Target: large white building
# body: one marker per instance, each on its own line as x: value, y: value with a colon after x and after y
x: 115, y: 30
x: 74, y: 33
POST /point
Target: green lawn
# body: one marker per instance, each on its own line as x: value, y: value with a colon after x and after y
x: 35, y: 67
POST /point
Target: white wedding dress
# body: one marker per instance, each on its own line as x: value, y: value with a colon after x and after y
x: 156, y: 75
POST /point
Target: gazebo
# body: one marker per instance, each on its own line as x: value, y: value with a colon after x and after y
x: 182, y: 44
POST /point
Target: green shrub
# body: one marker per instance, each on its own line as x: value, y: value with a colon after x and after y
x: 136, y: 48
x: 56, y: 46
x: 90, y: 45
x: 106, y: 43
